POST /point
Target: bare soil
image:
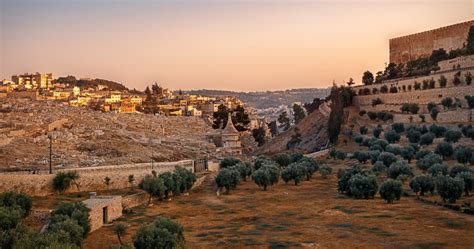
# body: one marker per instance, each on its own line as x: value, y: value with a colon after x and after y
x: 312, y: 215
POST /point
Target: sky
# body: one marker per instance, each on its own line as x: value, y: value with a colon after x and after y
x: 245, y: 45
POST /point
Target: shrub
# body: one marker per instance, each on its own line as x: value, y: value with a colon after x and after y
x: 393, y: 89
x: 245, y: 169
x: 428, y: 160
x: 422, y: 184
x: 444, y: 149
x: 398, y: 127
x: 414, y: 108
x: 452, y: 136
x: 363, y: 186
x: 380, y: 143
x: 63, y: 180
x: 362, y: 113
x: 391, y: 190
x: 422, y: 117
x: 405, y: 108
x: 438, y: 169
x: 153, y: 185
x: 282, y: 159
x: 434, y: 113
x: 408, y: 153
x: 447, y: 102
x: 361, y: 156
x: 265, y: 176
x: 417, y: 85
x: 468, y: 178
x: 171, y: 186
x: 387, y: 158
x: 376, y: 131
x: 358, y: 139
x: 438, y: 131
x: 376, y: 101
x: 422, y: 153
x: 463, y: 154
x: 431, y: 106
x: 333, y: 153
x: 456, y: 169
x: 228, y: 178
x: 379, y: 168
x: 341, y: 155
x: 16, y: 200
x: 363, y: 130
x: 295, y: 157
x: 9, y: 218
x: 372, y: 115
x: 325, y: 171
x: 295, y: 172
x: 344, y: 176
x: 413, y: 136
x: 228, y: 162
x: 74, y: 210
x: 373, y: 155
x: 470, y: 101
x: 449, y: 188
x: 427, y: 139
x: 394, y: 149
x: 468, y: 78
x: 188, y: 178
x: 384, y: 89
x: 442, y: 81
x: 67, y: 230
x: 161, y: 233
x: 392, y: 136
x: 456, y: 79
x: 399, y: 168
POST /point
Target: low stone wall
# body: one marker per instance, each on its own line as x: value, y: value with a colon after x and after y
x: 90, y: 178
x: 421, y: 97
x: 135, y: 200
x: 458, y: 116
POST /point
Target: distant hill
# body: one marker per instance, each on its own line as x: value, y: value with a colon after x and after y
x: 91, y: 83
x: 270, y: 99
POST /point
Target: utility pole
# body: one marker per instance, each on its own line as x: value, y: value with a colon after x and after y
x: 50, y: 153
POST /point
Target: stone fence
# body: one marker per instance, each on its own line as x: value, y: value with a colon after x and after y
x: 90, y: 178
x: 421, y: 97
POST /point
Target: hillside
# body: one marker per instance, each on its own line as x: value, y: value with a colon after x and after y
x: 314, y: 136
x: 91, y: 83
x: 270, y: 99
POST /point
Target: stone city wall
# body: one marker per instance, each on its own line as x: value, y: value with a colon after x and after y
x: 456, y: 117
x: 90, y: 178
x: 414, y: 46
x: 135, y: 200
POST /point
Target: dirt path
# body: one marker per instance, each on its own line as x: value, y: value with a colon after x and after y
x: 312, y: 215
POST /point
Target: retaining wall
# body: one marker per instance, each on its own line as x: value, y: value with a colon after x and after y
x: 90, y: 178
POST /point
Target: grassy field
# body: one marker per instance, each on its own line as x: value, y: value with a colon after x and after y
x: 312, y: 215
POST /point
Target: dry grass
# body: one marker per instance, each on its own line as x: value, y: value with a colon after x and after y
x: 310, y: 215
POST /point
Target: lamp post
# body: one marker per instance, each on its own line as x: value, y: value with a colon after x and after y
x: 50, y: 153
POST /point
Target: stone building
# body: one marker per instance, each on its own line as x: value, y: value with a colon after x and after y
x: 33, y: 81
x: 103, y: 209
x: 414, y: 46
x: 231, y: 138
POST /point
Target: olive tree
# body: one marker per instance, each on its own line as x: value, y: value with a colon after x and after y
x: 438, y: 169
x: 407, y: 153
x: 452, y: 136
x: 428, y: 160
x: 422, y: 184
x: 399, y: 168
x: 228, y: 178
x: 363, y: 186
x: 387, y: 158
x: 265, y: 176
x: 161, y: 233
x: 468, y: 178
x: 153, y: 185
x: 16, y: 200
x: 449, y: 188
x: 444, y: 149
x: 463, y: 154
x: 427, y: 138
x: 392, y: 136
x: 391, y: 190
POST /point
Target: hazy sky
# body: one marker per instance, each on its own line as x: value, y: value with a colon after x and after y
x: 222, y: 44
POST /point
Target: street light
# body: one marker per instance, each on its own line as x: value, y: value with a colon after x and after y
x: 50, y: 137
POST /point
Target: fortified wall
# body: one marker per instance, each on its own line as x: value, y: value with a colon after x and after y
x: 414, y: 46
x: 90, y: 178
